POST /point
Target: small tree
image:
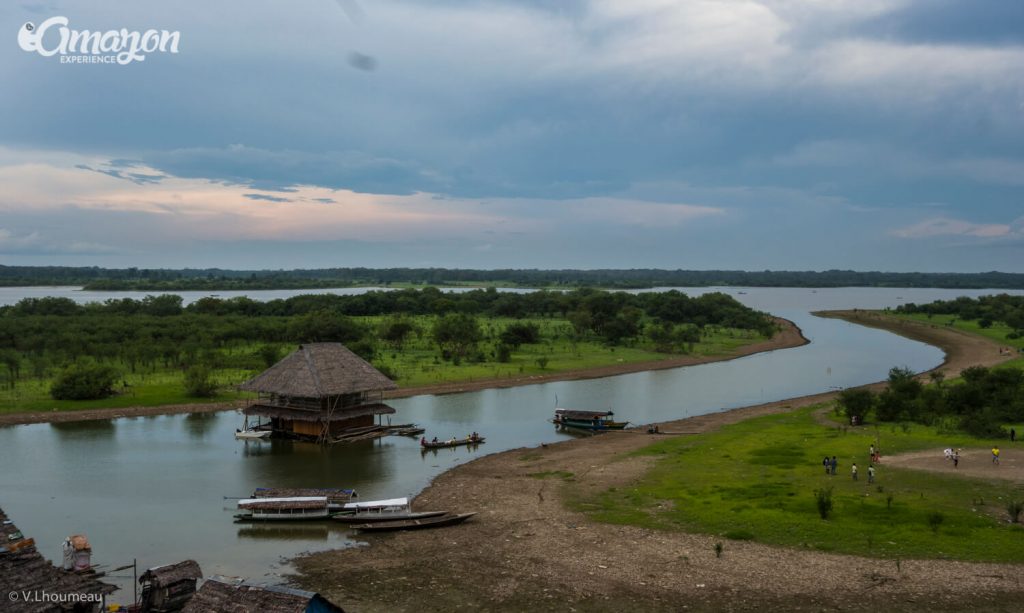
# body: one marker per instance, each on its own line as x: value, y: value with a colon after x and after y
x: 856, y: 403
x: 270, y: 354
x: 457, y: 334
x: 935, y: 520
x: 199, y: 382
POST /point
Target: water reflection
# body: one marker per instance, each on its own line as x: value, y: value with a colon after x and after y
x: 155, y: 488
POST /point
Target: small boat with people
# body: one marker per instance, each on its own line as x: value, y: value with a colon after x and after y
x: 446, y: 519
x: 372, y: 511
x: 472, y: 439
x: 596, y: 421
x: 293, y: 508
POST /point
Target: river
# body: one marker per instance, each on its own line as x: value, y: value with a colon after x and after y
x: 158, y: 489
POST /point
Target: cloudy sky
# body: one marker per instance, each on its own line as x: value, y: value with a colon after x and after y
x: 749, y: 134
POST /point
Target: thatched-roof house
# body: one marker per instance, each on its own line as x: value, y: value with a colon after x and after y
x: 319, y: 391
x: 227, y: 596
x: 24, y: 571
x: 168, y: 588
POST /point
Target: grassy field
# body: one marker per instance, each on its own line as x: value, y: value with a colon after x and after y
x: 418, y: 362
x: 756, y: 480
x: 997, y: 331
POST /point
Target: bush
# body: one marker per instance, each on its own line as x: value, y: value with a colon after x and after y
x: 1014, y: 508
x: 199, y: 382
x: 503, y: 352
x: 84, y: 380
x: 935, y: 520
x: 823, y: 497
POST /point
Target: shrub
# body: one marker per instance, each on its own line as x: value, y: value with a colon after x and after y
x: 823, y: 498
x: 1014, y: 508
x: 718, y: 550
x: 84, y: 380
x: 935, y: 520
x: 542, y: 361
x: 199, y: 382
x: 503, y: 352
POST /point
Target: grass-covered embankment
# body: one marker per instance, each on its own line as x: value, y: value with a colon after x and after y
x: 756, y: 480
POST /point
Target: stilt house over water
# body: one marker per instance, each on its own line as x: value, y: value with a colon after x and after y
x: 319, y: 392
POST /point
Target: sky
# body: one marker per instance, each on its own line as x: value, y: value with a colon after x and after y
x: 696, y: 134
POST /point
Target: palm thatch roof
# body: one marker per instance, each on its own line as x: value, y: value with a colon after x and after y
x: 23, y: 569
x: 271, y: 410
x: 317, y: 370
x: 226, y: 596
x: 162, y: 576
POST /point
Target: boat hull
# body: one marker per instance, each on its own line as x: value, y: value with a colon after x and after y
x: 415, y: 524
x: 368, y: 518
x: 456, y: 443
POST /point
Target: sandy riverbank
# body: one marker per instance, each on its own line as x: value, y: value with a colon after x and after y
x: 788, y: 336
x: 525, y: 550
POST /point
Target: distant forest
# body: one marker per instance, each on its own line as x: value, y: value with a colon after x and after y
x: 114, y: 279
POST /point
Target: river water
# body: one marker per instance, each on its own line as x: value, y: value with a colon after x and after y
x: 158, y: 489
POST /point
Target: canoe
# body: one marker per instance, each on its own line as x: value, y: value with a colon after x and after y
x: 368, y: 518
x: 455, y: 442
x: 415, y: 524
x: 252, y: 434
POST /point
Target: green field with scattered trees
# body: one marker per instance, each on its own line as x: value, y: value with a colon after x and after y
x: 56, y: 354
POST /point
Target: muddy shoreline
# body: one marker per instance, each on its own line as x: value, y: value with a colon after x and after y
x: 527, y: 550
x: 789, y: 336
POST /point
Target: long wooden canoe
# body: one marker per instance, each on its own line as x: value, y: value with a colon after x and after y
x: 415, y: 524
x: 454, y: 442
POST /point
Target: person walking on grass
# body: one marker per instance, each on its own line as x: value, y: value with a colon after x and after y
x: 1013, y: 435
x: 995, y: 454
x: 826, y: 464
x: 956, y: 458
x: 871, y: 454
x: 853, y: 470
x: 871, y: 474
x: 834, y: 464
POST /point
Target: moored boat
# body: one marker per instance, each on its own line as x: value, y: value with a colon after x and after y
x: 449, y: 519
x: 473, y: 439
x: 337, y: 497
x: 296, y: 508
x: 371, y: 511
x: 252, y: 434
x: 597, y: 421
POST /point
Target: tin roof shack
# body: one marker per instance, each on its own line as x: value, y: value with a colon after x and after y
x: 42, y: 587
x: 319, y: 392
x: 227, y: 596
x: 168, y: 588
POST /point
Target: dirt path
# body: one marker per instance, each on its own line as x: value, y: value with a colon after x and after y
x: 527, y: 551
x: 788, y: 336
x: 973, y: 462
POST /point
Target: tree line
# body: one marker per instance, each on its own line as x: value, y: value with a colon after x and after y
x: 979, y: 404
x: 223, y: 279
x: 986, y: 310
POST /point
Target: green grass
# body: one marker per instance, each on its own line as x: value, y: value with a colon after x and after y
x: 163, y: 387
x: 417, y: 363
x: 997, y: 331
x: 755, y: 480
